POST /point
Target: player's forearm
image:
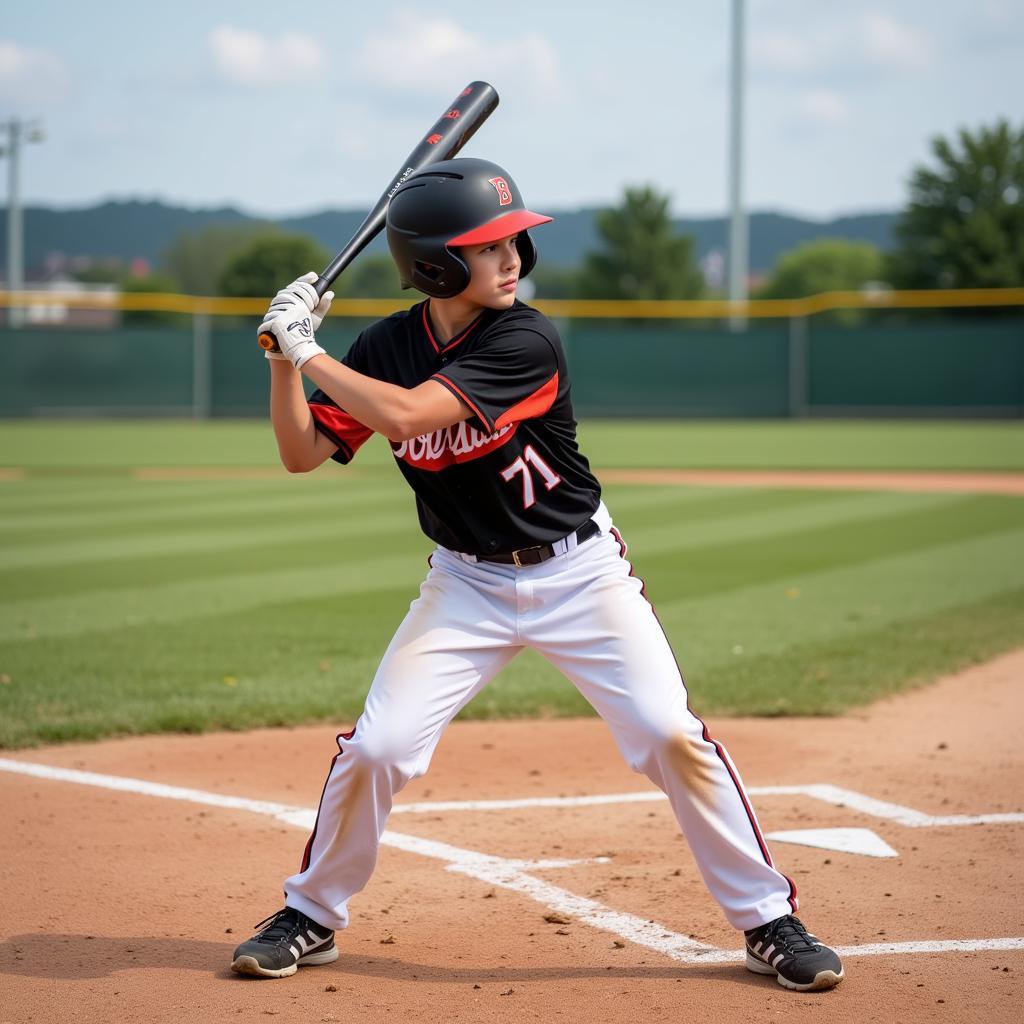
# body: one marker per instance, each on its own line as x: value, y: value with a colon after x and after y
x: 386, y: 408
x: 297, y: 437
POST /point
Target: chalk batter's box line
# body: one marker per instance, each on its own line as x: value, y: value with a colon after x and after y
x: 511, y: 874
x: 834, y: 795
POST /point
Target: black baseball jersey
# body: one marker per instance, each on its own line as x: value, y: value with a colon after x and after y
x: 512, y: 474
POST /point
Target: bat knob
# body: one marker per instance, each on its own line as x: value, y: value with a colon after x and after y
x: 269, y: 342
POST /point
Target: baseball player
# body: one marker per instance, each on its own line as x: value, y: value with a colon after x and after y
x: 471, y: 388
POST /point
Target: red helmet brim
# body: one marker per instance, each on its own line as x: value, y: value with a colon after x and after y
x: 511, y: 224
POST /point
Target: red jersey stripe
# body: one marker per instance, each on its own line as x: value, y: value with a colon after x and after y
x: 534, y: 405
x: 426, y: 327
x: 346, y: 431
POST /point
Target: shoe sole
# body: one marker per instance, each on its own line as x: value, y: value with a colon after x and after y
x: 250, y: 966
x: 822, y: 980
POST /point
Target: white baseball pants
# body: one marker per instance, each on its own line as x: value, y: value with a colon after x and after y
x: 586, y: 613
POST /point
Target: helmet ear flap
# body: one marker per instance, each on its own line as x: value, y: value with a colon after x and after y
x: 527, y: 253
x: 441, y: 282
x: 458, y: 276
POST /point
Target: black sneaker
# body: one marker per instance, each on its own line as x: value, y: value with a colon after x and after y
x: 289, y: 940
x: 798, y: 960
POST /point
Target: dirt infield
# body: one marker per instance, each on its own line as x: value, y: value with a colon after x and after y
x: 125, y: 905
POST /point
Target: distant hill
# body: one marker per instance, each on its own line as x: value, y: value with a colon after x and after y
x: 129, y: 229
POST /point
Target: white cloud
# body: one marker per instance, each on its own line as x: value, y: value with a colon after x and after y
x: 823, y: 107
x: 887, y: 41
x: 412, y: 47
x: 249, y: 58
x: 29, y: 76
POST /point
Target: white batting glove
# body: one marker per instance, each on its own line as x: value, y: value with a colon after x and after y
x: 295, y: 314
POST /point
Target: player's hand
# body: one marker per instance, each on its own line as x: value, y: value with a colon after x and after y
x: 295, y: 313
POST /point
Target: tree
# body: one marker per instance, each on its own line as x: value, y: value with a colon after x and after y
x: 269, y: 262
x: 642, y: 257
x: 197, y: 261
x: 100, y: 271
x: 824, y: 265
x: 554, y: 282
x: 964, y: 224
x: 151, y: 317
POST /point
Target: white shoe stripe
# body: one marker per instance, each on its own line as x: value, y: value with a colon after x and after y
x: 775, y: 962
x: 768, y: 952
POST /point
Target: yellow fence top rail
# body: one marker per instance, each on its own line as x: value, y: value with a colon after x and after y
x: 692, y: 309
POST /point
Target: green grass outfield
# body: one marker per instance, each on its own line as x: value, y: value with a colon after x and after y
x: 134, y: 605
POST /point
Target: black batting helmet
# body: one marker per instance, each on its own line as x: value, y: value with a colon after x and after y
x: 453, y: 203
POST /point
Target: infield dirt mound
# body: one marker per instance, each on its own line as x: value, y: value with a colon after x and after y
x: 120, y: 906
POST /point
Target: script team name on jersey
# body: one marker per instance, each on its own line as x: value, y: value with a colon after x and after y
x: 458, y: 443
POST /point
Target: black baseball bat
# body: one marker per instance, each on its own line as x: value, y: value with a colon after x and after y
x: 454, y: 128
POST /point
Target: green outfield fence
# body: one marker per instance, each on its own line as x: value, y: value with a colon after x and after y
x: 859, y: 354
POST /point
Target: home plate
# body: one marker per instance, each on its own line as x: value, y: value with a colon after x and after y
x: 844, y: 840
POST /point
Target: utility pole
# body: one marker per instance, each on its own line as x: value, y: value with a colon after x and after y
x: 17, y: 131
x: 738, y: 231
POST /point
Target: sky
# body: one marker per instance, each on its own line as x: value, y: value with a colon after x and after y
x: 286, y: 109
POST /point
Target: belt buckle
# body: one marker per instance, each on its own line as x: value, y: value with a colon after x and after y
x: 515, y: 554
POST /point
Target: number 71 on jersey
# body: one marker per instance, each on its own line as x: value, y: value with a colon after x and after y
x: 525, y: 464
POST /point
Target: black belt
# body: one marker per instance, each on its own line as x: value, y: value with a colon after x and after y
x: 541, y: 552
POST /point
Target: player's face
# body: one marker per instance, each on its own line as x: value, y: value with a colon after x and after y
x: 494, y: 273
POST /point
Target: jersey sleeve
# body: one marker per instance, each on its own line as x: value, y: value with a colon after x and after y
x: 513, y: 377
x: 333, y: 422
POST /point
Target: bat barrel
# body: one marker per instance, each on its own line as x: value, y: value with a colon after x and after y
x: 453, y: 129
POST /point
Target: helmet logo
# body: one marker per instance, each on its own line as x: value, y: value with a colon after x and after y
x: 504, y: 193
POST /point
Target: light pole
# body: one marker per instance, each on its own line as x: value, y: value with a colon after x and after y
x: 17, y: 132
x: 738, y: 237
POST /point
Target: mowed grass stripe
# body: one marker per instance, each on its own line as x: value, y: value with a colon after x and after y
x: 664, y: 533
x: 38, y: 493
x: 840, y: 602
x: 293, y: 662
x: 243, y: 672
x: 103, y: 447
x: 27, y: 537
x: 194, y: 598
x: 823, y: 677
x: 309, y: 647
x: 975, y: 567
x: 200, y: 507
x: 620, y: 498
x: 173, y: 555
x: 63, y: 508
x: 43, y: 495
x: 721, y: 567
x: 283, y: 550
x: 194, y: 542
x: 828, y: 677
x: 681, y: 571
x: 714, y: 503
